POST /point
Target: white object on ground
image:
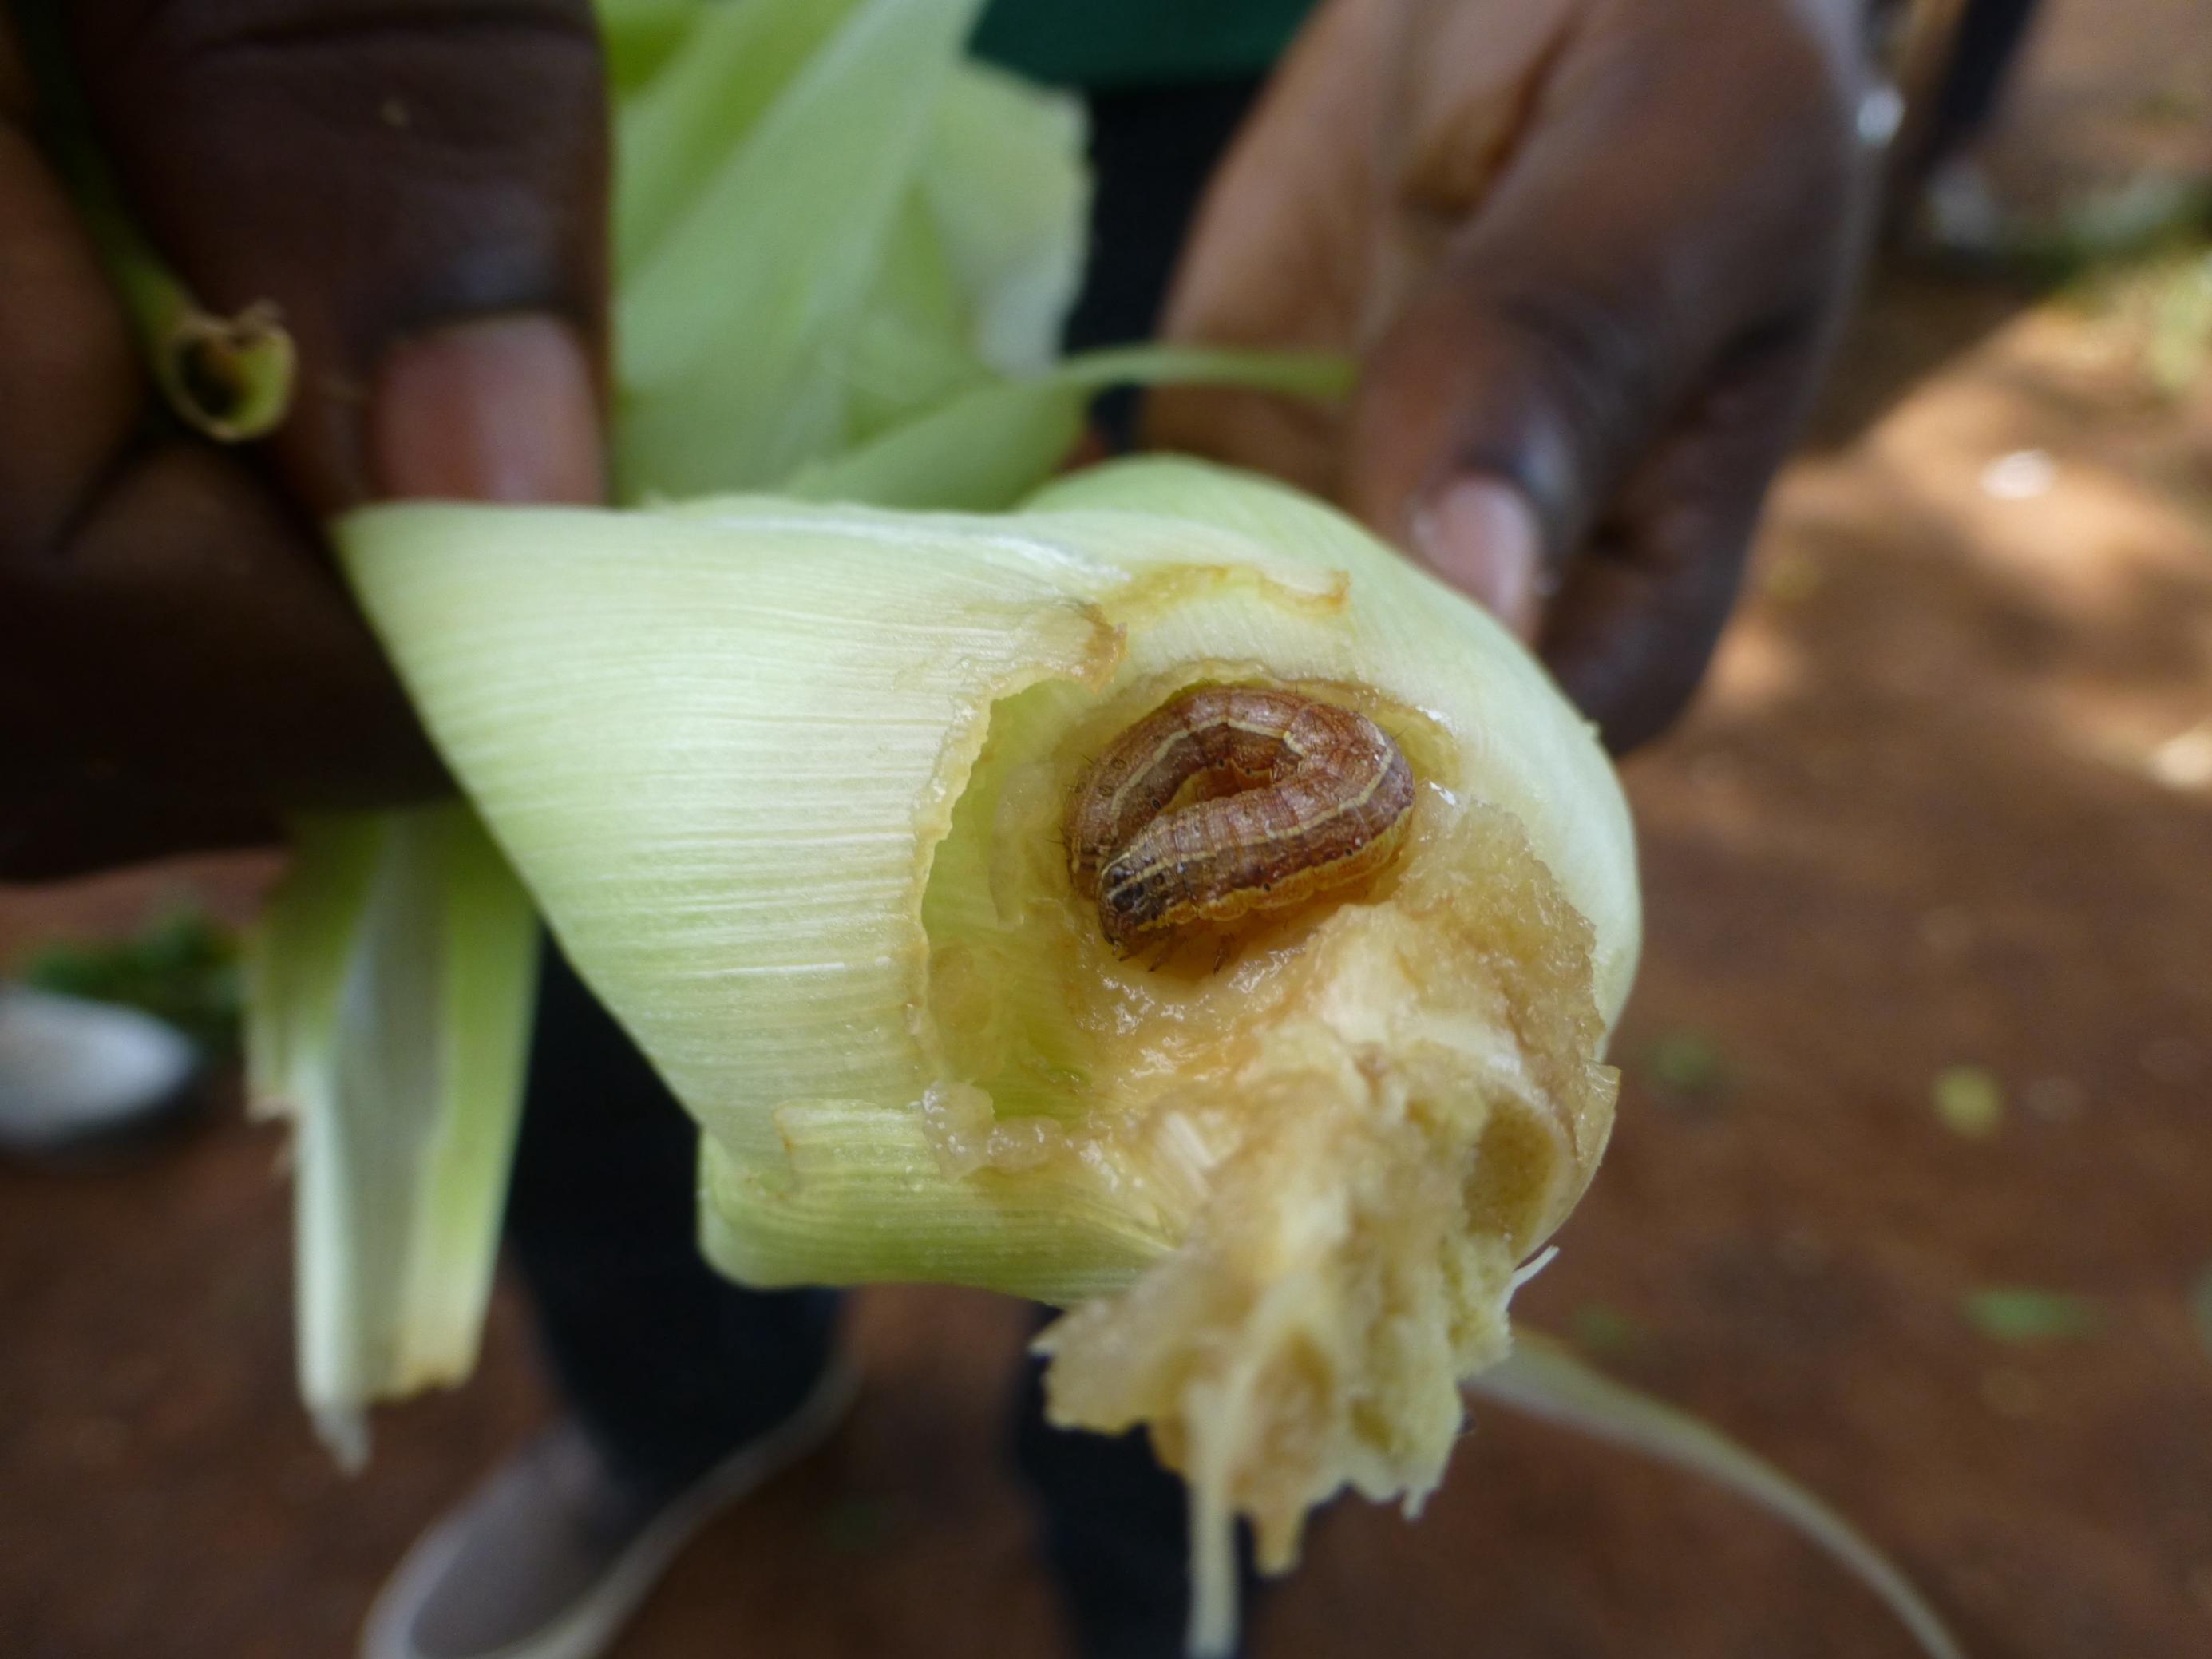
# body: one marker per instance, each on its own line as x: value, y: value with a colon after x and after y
x: 73, y: 1071
x: 2021, y: 476
x: 588, y: 1626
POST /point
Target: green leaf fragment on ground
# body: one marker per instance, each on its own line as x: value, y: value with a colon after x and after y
x: 182, y: 967
x: 1969, y: 1100
x: 1688, y: 1064
x: 1604, y: 1331
x: 2013, y: 1313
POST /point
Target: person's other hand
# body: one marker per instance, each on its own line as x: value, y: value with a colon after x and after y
x: 1588, y: 254
x: 419, y: 186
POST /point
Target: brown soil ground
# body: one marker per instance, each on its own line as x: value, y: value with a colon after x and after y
x: 1947, y: 802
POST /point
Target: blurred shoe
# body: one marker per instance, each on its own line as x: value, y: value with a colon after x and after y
x: 554, y: 1551
x: 79, y: 1080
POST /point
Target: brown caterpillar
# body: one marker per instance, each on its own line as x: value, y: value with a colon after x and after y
x: 1298, y: 797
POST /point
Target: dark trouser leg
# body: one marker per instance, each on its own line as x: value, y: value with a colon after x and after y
x: 668, y: 1366
x: 1117, y: 1532
x: 1117, y: 1524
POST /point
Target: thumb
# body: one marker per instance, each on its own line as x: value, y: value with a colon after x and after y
x: 418, y: 185
x: 1660, y: 209
x: 1498, y: 414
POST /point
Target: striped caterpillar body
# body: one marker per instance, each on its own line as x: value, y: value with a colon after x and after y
x: 1322, y: 797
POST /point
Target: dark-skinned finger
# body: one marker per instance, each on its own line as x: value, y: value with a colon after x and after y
x: 1584, y: 300
x: 1641, y: 607
x: 174, y: 657
x: 389, y: 172
x: 71, y: 390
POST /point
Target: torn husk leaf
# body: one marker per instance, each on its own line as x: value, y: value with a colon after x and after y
x: 388, y: 994
x: 791, y: 802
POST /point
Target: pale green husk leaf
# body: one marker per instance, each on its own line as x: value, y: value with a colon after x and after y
x: 389, y: 986
x: 733, y: 333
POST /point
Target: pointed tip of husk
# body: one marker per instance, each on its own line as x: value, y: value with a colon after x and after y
x: 343, y: 1431
x: 1546, y: 1379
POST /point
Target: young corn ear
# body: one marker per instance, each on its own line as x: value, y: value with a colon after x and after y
x: 787, y: 782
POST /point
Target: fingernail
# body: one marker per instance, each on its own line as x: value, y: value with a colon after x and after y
x: 499, y: 410
x: 1481, y: 535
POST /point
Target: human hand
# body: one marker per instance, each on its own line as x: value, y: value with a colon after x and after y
x: 1590, y: 255
x: 419, y: 186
